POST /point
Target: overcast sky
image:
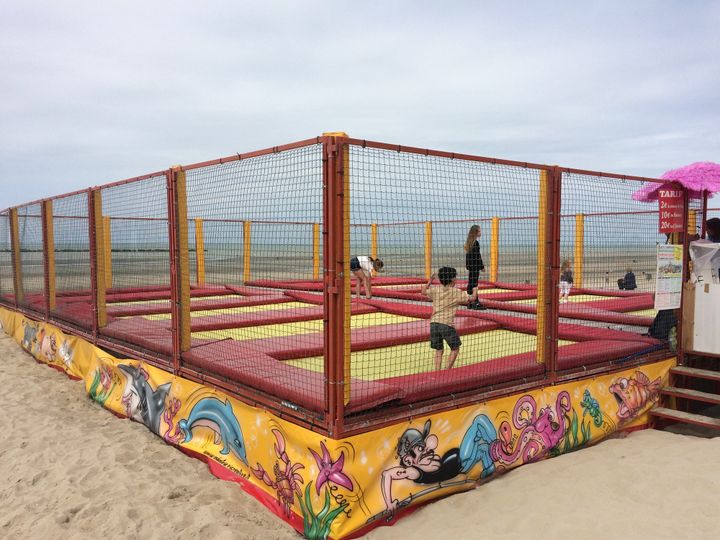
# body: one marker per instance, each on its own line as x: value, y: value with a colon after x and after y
x: 93, y: 92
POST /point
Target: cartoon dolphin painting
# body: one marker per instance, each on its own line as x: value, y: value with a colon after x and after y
x: 212, y: 413
x: 144, y: 403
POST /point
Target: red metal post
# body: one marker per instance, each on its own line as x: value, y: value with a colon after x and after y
x: 685, y: 275
x: 333, y: 287
x: 46, y: 256
x: 553, y: 277
x: 704, y: 196
x: 174, y: 281
x: 93, y: 266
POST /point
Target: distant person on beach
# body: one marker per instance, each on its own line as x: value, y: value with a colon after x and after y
x: 712, y: 230
x: 446, y: 300
x: 473, y: 263
x: 629, y: 283
x: 566, y: 280
x: 362, y: 268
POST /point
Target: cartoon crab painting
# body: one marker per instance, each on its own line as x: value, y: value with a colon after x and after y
x: 287, y: 480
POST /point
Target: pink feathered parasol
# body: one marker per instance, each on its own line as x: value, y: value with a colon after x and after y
x: 697, y: 177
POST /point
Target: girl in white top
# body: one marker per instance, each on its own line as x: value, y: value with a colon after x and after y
x: 362, y: 267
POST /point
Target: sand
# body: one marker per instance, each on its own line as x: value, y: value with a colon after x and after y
x: 69, y: 469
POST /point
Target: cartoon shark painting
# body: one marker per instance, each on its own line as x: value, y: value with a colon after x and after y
x: 142, y: 403
x: 212, y: 413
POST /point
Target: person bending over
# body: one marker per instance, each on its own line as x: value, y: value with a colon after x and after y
x: 446, y: 300
x: 362, y: 268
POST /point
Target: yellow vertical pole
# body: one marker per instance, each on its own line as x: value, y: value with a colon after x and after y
x: 199, y: 252
x: 374, y: 242
x: 50, y: 254
x: 316, y: 251
x: 107, y: 238
x: 579, y: 261
x: 692, y: 222
x: 246, y: 251
x: 428, y: 249
x: 15, y: 246
x: 541, y: 267
x: 183, y: 269
x: 99, y: 257
x: 494, y: 248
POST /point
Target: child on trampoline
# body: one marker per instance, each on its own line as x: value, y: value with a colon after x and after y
x: 446, y: 300
x: 362, y: 268
x: 566, y: 280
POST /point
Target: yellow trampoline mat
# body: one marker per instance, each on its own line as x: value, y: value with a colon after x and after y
x: 644, y: 312
x: 575, y: 298
x: 304, y: 327
x: 419, y: 357
x: 232, y: 311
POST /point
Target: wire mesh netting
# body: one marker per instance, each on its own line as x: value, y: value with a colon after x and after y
x: 31, y: 257
x: 420, y: 213
x: 135, y: 253
x: 7, y: 287
x: 608, y: 253
x: 258, y: 221
x: 71, y: 240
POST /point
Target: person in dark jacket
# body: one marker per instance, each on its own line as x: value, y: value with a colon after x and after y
x: 473, y: 263
x: 712, y: 229
x: 629, y: 283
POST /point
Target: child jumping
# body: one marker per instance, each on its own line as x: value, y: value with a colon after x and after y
x: 362, y: 268
x: 446, y: 300
x: 566, y: 281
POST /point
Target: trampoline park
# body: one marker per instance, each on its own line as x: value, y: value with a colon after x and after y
x: 234, y: 275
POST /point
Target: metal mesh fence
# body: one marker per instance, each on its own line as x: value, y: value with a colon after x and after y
x: 31, y: 257
x: 134, y: 245
x: 608, y: 253
x: 71, y: 242
x: 415, y: 213
x: 260, y: 221
x: 7, y: 288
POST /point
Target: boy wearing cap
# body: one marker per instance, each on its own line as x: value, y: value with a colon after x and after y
x: 446, y: 300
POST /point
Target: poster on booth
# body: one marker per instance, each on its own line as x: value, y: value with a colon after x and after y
x: 668, y: 284
x: 671, y: 209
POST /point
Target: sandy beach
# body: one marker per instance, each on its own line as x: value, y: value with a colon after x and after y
x: 71, y: 469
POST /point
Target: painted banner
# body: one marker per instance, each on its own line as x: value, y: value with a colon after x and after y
x: 668, y: 284
x: 671, y: 209
x: 342, y: 488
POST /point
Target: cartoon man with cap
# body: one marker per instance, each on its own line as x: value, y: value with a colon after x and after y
x: 421, y: 464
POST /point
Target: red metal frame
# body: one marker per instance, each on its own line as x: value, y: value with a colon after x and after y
x: 335, y: 422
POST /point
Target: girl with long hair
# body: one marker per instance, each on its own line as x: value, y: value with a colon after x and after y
x: 473, y: 262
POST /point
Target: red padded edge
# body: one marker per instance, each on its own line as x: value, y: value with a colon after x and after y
x: 634, y: 303
x: 398, y: 308
x: 308, y: 298
x: 248, y: 291
x: 263, y: 318
x: 447, y: 382
x: 296, y: 385
x: 200, y: 305
x: 587, y: 353
x: 609, y: 292
x: 581, y: 310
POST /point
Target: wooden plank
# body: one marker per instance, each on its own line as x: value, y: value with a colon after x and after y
x: 694, y: 395
x: 697, y: 373
x: 686, y: 418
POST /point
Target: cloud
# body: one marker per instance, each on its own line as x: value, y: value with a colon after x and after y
x: 98, y: 92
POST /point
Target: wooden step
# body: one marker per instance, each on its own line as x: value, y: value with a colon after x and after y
x: 697, y: 373
x: 686, y: 418
x: 694, y: 395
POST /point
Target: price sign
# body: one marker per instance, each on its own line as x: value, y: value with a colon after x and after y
x: 670, y: 209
